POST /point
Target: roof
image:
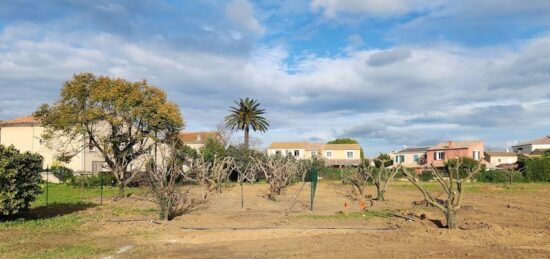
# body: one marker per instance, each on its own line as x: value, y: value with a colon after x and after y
x: 538, y: 152
x: 341, y: 147
x: 312, y: 146
x: 500, y: 153
x: 540, y: 141
x: 21, y: 121
x: 455, y: 144
x: 198, y: 137
x: 412, y: 150
x: 295, y: 145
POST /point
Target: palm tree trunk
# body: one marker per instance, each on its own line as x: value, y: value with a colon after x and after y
x: 246, y: 136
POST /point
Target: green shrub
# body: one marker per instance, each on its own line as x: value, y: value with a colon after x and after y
x: 426, y: 176
x: 537, y: 169
x: 330, y: 173
x: 91, y: 181
x: 62, y: 173
x: 19, y: 179
x: 498, y: 176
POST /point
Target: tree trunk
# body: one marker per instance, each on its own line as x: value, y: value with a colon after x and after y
x: 450, y: 216
x: 246, y: 136
x: 380, y: 195
x: 121, y: 190
x: 242, y: 195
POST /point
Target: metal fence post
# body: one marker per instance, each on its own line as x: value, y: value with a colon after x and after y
x: 47, y: 183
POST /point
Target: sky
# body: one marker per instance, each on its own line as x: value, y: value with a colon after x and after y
x: 388, y: 73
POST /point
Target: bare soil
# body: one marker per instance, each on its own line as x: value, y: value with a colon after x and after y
x: 495, y: 223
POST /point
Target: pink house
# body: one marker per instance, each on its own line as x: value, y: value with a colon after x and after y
x: 440, y: 153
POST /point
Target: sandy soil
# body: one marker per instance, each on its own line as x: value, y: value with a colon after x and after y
x: 495, y: 223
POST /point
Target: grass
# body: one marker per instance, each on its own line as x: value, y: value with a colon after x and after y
x: 56, y: 230
x: 352, y: 215
x: 65, y: 194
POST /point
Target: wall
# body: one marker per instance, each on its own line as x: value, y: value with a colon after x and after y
x: 494, y: 160
x: 28, y: 138
x: 409, y: 159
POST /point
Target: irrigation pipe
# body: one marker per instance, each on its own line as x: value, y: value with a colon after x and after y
x: 291, y: 228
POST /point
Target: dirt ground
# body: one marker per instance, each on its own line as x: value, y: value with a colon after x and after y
x: 495, y: 223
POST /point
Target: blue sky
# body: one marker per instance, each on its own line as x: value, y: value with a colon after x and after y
x: 388, y: 73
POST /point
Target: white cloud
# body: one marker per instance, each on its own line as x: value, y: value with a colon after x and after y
x: 331, y: 8
x: 241, y: 13
x: 418, y: 96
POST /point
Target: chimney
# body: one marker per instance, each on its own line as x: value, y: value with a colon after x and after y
x: 404, y: 146
x: 450, y: 144
x: 507, y: 150
x: 198, y: 137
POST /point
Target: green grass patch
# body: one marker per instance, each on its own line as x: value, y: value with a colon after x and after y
x: 65, y: 194
x: 55, y: 224
x: 71, y: 251
x: 352, y: 215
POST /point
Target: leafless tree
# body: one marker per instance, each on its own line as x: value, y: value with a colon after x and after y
x: 278, y: 171
x: 163, y: 170
x: 358, y: 180
x: 380, y: 176
x: 452, y: 184
x: 211, y: 175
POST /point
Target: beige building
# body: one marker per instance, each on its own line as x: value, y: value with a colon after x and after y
x: 410, y: 157
x: 533, y: 146
x: 496, y: 158
x: 333, y: 154
x: 25, y: 134
x: 198, y: 139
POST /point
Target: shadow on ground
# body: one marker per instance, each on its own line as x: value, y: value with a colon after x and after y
x: 50, y: 211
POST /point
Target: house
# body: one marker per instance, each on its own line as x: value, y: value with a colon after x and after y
x: 528, y: 147
x: 25, y: 134
x: 333, y: 154
x: 198, y: 139
x: 410, y: 157
x: 442, y: 152
x: 496, y: 158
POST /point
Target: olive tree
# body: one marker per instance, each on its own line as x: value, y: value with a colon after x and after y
x: 452, y: 183
x: 118, y: 118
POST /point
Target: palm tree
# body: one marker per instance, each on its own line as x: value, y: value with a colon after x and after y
x: 246, y: 115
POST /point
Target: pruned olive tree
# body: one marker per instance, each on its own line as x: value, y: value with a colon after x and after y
x: 279, y: 171
x: 164, y: 170
x: 359, y: 180
x: 452, y: 182
x: 211, y: 175
x: 118, y: 118
x: 380, y: 175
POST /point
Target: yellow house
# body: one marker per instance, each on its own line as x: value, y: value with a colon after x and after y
x: 25, y: 134
x: 333, y: 154
x: 197, y: 140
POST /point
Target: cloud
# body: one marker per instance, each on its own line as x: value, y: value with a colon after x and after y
x: 372, y: 7
x: 241, y: 13
x: 414, y: 94
x: 388, y: 57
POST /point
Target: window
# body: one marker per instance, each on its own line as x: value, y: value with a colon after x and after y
x: 399, y: 159
x: 439, y: 155
x: 97, y: 166
x: 278, y: 152
x: 350, y: 154
x: 296, y: 152
x: 415, y: 158
x: 313, y: 153
x: 329, y: 153
x: 499, y: 160
x: 476, y: 155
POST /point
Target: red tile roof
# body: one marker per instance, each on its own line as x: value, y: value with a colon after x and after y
x: 21, y: 121
x: 198, y: 137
